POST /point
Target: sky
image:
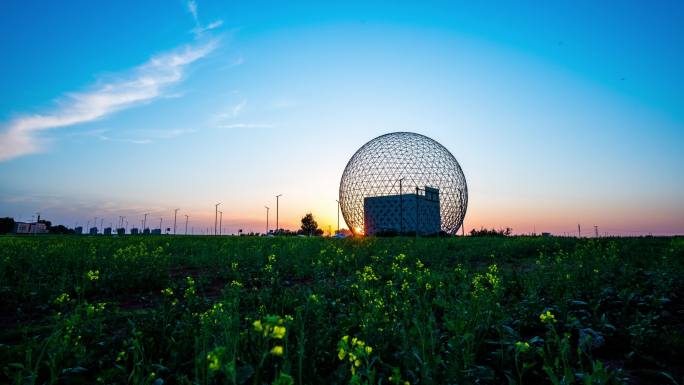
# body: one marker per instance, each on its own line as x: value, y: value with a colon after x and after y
x: 559, y: 114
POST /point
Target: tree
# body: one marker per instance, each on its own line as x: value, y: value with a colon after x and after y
x: 490, y: 233
x: 310, y: 226
x: 6, y: 225
x: 60, y: 229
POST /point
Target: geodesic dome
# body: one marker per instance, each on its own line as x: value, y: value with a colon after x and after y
x: 418, y: 161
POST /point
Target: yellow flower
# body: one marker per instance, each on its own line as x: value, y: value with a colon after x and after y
x: 522, y: 346
x: 369, y: 350
x: 357, y: 363
x: 214, y: 361
x: 341, y: 354
x: 345, y: 338
x: 279, y: 332
x: 93, y: 275
x: 277, y: 350
x: 167, y: 292
x: 64, y: 297
x: 257, y: 325
x: 547, y: 317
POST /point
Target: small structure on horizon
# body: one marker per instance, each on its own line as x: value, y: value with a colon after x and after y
x: 30, y: 228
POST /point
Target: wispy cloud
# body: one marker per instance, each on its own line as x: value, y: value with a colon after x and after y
x: 231, y: 112
x: 142, y: 84
x: 125, y: 140
x: 199, y: 28
x: 237, y: 109
x: 246, y: 125
x: 192, y: 7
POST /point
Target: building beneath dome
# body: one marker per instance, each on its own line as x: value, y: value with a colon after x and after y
x: 416, y: 213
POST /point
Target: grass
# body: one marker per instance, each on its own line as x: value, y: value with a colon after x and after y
x: 246, y: 310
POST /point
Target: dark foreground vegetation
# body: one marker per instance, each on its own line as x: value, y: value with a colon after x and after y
x: 247, y: 310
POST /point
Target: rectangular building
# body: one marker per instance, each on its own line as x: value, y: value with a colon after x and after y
x: 405, y: 213
x: 30, y: 228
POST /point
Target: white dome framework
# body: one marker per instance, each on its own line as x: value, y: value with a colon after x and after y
x: 377, y: 168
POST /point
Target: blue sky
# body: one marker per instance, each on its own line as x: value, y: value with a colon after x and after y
x: 559, y: 114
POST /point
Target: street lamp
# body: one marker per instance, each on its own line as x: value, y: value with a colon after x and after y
x: 175, y: 212
x: 267, y: 208
x: 216, y: 216
x: 220, y: 222
x: 338, y: 216
x: 277, y: 223
x: 186, y: 224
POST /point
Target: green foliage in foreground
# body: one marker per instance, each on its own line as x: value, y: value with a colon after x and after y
x: 244, y: 310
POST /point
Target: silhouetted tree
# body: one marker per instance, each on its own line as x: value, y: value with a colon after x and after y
x: 60, y: 229
x: 6, y: 225
x: 482, y: 232
x: 310, y: 226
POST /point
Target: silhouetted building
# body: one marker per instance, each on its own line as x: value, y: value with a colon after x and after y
x: 134, y: 231
x: 30, y: 228
x: 108, y: 231
x: 93, y: 231
x: 78, y: 230
x: 406, y: 213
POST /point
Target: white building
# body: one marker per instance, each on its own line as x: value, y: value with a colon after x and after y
x: 406, y: 213
x: 30, y: 228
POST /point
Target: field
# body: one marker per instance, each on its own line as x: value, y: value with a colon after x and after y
x: 246, y: 310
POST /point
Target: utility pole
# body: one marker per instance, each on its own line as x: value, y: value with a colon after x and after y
x: 186, y: 224
x: 267, y: 208
x: 595, y: 231
x: 102, y: 224
x: 220, y: 222
x: 145, y: 222
x: 338, y: 216
x: 94, y: 224
x: 215, y: 216
x: 579, y: 231
x: 175, y: 212
x: 277, y: 223
x: 160, y: 226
